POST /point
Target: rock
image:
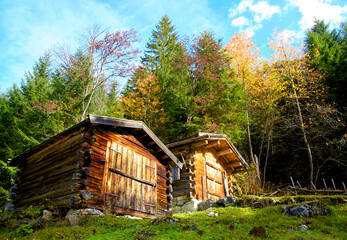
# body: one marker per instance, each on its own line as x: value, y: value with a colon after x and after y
x: 273, y: 202
x: 206, y: 204
x: 210, y: 214
x: 190, y: 206
x: 301, y: 210
x: 47, y: 215
x: 306, y: 210
x: 181, y: 202
x: 216, y: 214
x: 258, y: 232
x: 255, y: 199
x: 155, y: 221
x: 231, y: 200
x: 9, y: 207
x: 92, y: 211
x: 303, y: 227
x: 75, y: 216
x: 240, y: 202
x: 176, y: 209
x: 173, y: 220
x: 222, y: 202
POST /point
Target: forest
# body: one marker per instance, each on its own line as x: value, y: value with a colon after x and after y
x: 287, y: 114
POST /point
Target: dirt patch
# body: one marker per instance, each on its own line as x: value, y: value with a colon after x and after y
x: 258, y: 232
x: 143, y: 235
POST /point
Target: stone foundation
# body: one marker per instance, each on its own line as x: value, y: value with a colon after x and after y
x: 184, y: 204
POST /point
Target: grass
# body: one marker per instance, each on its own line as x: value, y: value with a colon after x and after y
x: 231, y: 223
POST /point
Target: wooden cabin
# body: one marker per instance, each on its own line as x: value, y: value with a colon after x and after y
x: 208, y: 162
x: 102, y: 162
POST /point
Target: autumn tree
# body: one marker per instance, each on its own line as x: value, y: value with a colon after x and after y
x: 244, y: 59
x: 214, y: 98
x: 307, y: 110
x: 144, y: 102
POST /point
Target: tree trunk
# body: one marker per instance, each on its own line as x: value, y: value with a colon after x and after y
x: 267, y: 156
x: 249, y: 139
x: 302, y: 127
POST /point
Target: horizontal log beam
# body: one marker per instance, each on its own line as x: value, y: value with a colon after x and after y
x: 244, y: 170
x: 224, y: 152
x: 199, y: 144
x: 215, y: 194
x: 132, y: 177
x: 234, y: 164
x: 179, y: 192
x: 214, y: 180
x: 212, y: 164
x: 212, y: 144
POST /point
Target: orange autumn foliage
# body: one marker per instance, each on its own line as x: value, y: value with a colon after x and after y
x: 144, y: 103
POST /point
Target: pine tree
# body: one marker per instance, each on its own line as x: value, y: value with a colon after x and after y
x: 166, y: 58
x: 29, y: 114
x: 161, y: 50
x: 327, y: 52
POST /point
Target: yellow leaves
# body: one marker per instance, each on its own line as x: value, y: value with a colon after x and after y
x: 244, y: 56
x: 144, y: 103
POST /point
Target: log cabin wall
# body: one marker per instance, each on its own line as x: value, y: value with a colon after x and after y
x: 50, y: 175
x: 109, y: 163
x: 202, y: 177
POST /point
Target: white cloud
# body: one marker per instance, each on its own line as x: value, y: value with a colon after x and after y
x: 290, y: 34
x: 250, y: 31
x: 320, y: 9
x: 240, y: 22
x: 261, y: 11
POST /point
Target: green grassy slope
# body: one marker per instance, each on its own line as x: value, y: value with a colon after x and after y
x: 231, y: 223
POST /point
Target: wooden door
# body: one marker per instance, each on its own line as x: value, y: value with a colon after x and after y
x: 214, y: 181
x: 131, y: 181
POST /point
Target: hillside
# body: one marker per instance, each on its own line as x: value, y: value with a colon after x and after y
x: 226, y: 223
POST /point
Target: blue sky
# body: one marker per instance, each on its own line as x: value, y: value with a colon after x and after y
x: 29, y: 28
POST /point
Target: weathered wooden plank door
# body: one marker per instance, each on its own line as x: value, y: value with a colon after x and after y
x: 214, y: 181
x: 131, y: 180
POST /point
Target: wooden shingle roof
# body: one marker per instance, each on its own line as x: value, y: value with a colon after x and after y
x: 138, y: 128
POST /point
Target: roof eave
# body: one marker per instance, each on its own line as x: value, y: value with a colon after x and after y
x: 202, y: 135
x: 137, y: 125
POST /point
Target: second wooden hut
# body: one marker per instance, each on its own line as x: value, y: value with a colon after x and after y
x: 209, y: 160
